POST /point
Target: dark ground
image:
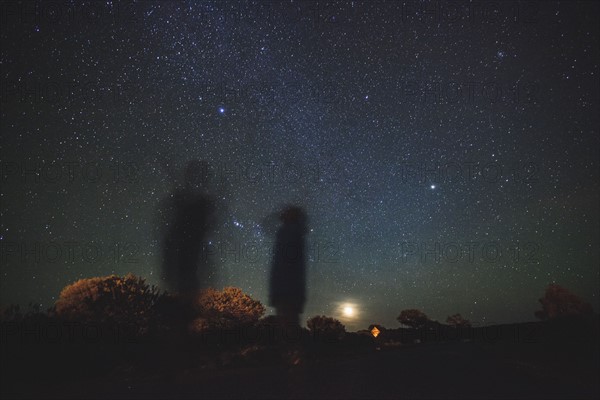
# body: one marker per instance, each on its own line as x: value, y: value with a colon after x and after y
x: 430, y: 370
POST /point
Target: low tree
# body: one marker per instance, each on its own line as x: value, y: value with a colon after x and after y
x: 125, y: 301
x: 326, y: 327
x: 226, y: 308
x: 458, y: 321
x: 11, y: 313
x: 414, y: 318
x: 559, y: 302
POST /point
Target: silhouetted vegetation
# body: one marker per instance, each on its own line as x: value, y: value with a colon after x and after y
x: 227, y: 308
x: 457, y: 320
x: 413, y: 318
x: 128, y: 302
x: 123, y: 326
x: 326, y: 327
x: 559, y: 302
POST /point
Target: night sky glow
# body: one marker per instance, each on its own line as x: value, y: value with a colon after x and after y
x: 447, y: 154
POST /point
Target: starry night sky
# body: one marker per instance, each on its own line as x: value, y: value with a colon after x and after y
x: 446, y: 153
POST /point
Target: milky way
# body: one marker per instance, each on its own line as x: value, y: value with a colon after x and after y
x: 446, y: 153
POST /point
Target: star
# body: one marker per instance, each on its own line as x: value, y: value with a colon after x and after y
x: 286, y: 114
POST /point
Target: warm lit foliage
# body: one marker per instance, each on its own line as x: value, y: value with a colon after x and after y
x: 413, y: 318
x: 200, y: 325
x: 228, y: 306
x: 326, y: 327
x: 559, y: 302
x: 458, y: 321
x: 127, y: 300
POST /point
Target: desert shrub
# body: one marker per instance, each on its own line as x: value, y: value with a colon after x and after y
x: 200, y: 325
x: 11, y: 313
x: 413, y: 318
x: 559, y: 302
x: 458, y: 321
x: 125, y: 301
x: 226, y: 308
x: 326, y: 327
x: 14, y: 313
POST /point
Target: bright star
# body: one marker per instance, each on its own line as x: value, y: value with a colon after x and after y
x: 221, y: 110
x: 432, y: 187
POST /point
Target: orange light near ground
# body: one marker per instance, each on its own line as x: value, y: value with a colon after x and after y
x: 375, y: 332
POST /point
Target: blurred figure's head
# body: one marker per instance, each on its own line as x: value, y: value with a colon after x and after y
x: 293, y: 215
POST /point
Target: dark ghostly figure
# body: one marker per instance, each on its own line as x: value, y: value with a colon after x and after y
x: 288, y: 272
x: 189, y: 219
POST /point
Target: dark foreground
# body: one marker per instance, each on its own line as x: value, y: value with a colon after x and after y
x: 429, y: 370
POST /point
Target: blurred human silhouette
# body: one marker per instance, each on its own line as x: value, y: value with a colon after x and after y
x: 188, y: 218
x: 287, y: 291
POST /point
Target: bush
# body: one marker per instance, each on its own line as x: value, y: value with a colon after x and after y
x: 414, y: 319
x: 199, y: 325
x: 458, y: 321
x: 124, y: 301
x: 558, y: 302
x: 224, y: 309
x: 11, y: 313
x: 326, y: 327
